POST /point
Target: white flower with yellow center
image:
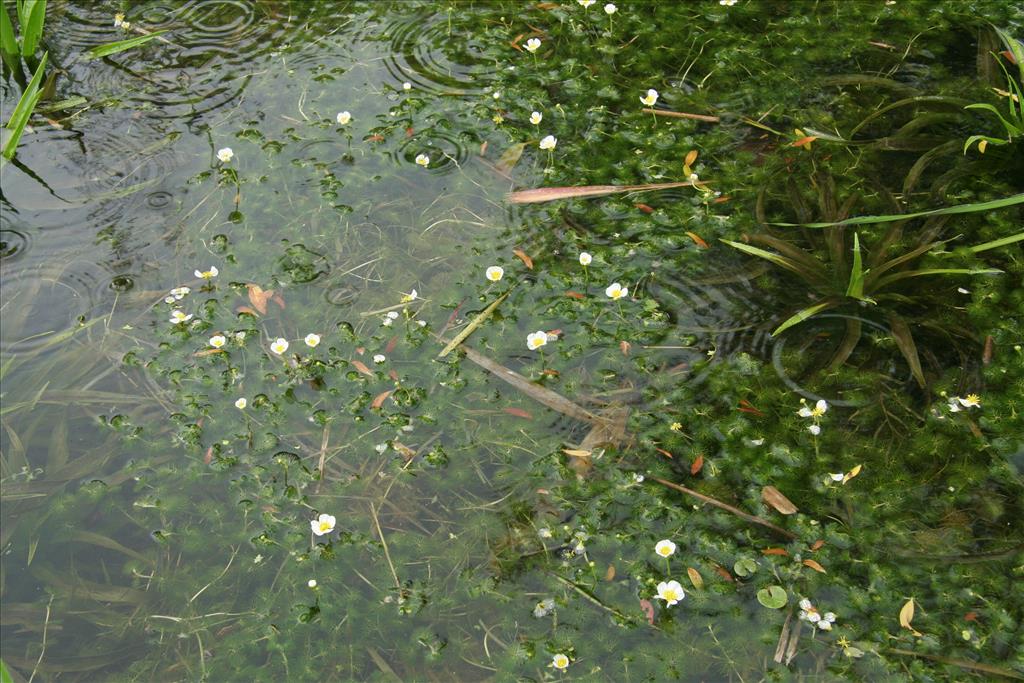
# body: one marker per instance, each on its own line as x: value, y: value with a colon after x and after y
x: 217, y: 341
x: 180, y: 293
x: 819, y: 409
x: 537, y: 339
x: 970, y: 401
x: 727, y: 3
x: 379, y: 358
x: 586, y: 3
x: 180, y: 317
x: 610, y: 9
x: 671, y: 592
x: 585, y: 258
x: 312, y: 340
x: 665, y: 548
x: 494, y: 273
x: 225, y: 154
x: 544, y: 532
x: 208, y: 274
x: 422, y: 160
x: 119, y: 20
x: 544, y: 608
x: 536, y: 117
x: 407, y: 86
x: 533, y: 44
x: 560, y: 662
x: 549, y: 142
x: 241, y: 403
x: 411, y: 296
x: 616, y: 291
x: 343, y: 118
x: 311, y: 583
x: 650, y: 98
x: 279, y: 346
x: 324, y: 524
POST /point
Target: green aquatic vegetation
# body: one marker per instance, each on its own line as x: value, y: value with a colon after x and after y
x: 1013, y: 122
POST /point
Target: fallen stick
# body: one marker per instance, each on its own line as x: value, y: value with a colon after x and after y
x: 682, y: 115
x: 728, y: 508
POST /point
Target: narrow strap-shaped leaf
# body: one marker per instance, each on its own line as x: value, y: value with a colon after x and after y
x: 8, y: 41
x: 32, y: 26
x: 885, y: 281
x: 905, y: 342
x: 781, y: 261
x: 473, y: 324
x: 945, y: 211
x: 855, y: 288
x: 121, y: 45
x: 995, y: 244
x: 19, y: 118
x: 877, y: 271
x: 803, y: 314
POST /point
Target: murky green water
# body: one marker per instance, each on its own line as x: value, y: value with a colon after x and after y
x: 153, y: 531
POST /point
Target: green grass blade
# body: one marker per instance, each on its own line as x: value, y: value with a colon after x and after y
x: 23, y: 110
x: 802, y: 315
x: 8, y: 41
x: 885, y: 281
x: 121, y: 45
x: 1015, y: 48
x: 905, y: 342
x: 889, y: 218
x: 995, y: 244
x: 778, y: 260
x: 855, y: 288
x: 5, y: 675
x: 32, y: 26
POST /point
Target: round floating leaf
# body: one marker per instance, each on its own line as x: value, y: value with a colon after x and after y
x: 744, y: 567
x: 773, y: 597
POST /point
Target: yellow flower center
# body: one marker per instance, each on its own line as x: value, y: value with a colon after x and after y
x: 670, y: 595
x: 325, y: 526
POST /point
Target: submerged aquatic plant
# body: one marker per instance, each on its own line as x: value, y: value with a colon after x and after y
x: 1013, y: 120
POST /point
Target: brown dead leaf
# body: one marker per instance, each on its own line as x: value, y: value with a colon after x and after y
x: 410, y: 131
x: 805, y: 141
x: 691, y: 157
x: 209, y: 456
x: 519, y: 412
x: 648, y: 609
x: 644, y: 207
x: 664, y: 452
x: 524, y: 257
x: 625, y: 346
x: 393, y: 375
x: 698, y: 240
x: 279, y: 300
x: 404, y: 450
x: 247, y: 310
x: 989, y: 350
x: 575, y: 295
x: 206, y: 352
x: 775, y: 551
x: 815, y: 566
x: 483, y: 148
x: 817, y: 544
x: 610, y: 574
x: 724, y: 573
x: 375, y: 138
x: 259, y: 297
x: 576, y: 452
x: 379, y: 400
x: 695, y: 468
x: 391, y: 344
x: 515, y: 41
x: 695, y: 578
x: 774, y: 497
x: 852, y: 473
x: 361, y: 367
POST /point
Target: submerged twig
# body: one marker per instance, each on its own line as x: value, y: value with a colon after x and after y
x: 682, y: 115
x: 728, y: 508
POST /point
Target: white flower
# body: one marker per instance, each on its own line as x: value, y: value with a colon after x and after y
x: 536, y: 117
x: 757, y: 442
x: 727, y: 3
x: 379, y: 358
x: 407, y: 86
x: 422, y: 160
x: 217, y: 341
x: 494, y: 273
x: 241, y: 403
x: 344, y: 117
x: 225, y: 154
x: 585, y: 258
x: 392, y: 315
x: 671, y: 592
x: 533, y: 44
x: 381, y: 447
x: 836, y: 476
x: 825, y: 623
x: 421, y: 323
x: 279, y: 346
x: 560, y: 662
x: 544, y: 608
x: 180, y: 293
x: 312, y: 340
x: 818, y: 410
x: 119, y: 20
x: 311, y: 583
x: 954, y: 407
x: 168, y: 299
x: 239, y: 337
x: 693, y: 177
x: 496, y: 95
x: 586, y: 3
x: 639, y: 478
x: 548, y: 142
x: 387, y: 322
x: 814, y: 429
x: 971, y: 401
x: 324, y: 524
x: 665, y: 548
x: 544, y: 532
x: 537, y: 339
x: 411, y: 296
x: 616, y: 291
x: 208, y: 274
x: 810, y: 613
x: 650, y: 98
x: 180, y: 317
x: 610, y: 8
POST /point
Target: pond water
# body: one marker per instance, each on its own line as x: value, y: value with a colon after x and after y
x: 344, y: 168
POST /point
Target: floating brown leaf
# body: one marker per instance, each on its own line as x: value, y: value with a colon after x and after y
x: 775, y: 551
x: 510, y: 157
x: 907, y: 615
x: 519, y: 412
x: 404, y: 450
x: 361, y: 367
x: 852, y: 473
x: 648, y: 609
x: 483, y: 148
x: 279, y: 300
x: 625, y: 346
x: 815, y: 566
x: 817, y: 544
x: 695, y: 578
x: 575, y: 295
x: 724, y: 573
x: 391, y: 344
x: 774, y: 497
x: 524, y: 257
x: 247, y: 311
x: 610, y: 574
x: 691, y: 157
x: 695, y: 468
x: 644, y: 207
x: 664, y: 452
x: 259, y: 297
x: 697, y: 240
x: 379, y: 400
